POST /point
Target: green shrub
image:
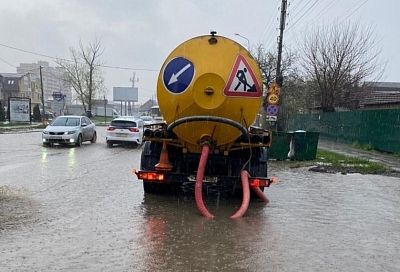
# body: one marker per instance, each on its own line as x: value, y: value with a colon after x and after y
x: 2, y: 113
x: 36, y: 113
x: 358, y: 145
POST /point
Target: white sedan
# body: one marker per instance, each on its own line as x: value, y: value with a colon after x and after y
x: 69, y: 129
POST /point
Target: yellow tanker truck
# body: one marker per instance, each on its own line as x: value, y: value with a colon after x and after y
x: 209, y: 91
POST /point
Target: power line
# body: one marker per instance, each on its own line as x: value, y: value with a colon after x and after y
x: 68, y: 60
x: 327, y: 7
x: 6, y: 62
x: 307, y: 11
x: 362, y: 4
x: 270, y: 25
x: 301, y: 10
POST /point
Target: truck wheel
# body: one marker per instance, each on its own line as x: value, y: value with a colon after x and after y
x: 150, y: 157
x: 154, y: 188
x: 258, y: 165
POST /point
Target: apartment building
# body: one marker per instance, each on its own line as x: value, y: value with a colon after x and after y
x: 52, y: 79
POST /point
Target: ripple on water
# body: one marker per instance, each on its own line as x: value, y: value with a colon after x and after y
x: 16, y: 208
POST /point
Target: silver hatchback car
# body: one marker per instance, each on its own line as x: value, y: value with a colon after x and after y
x: 69, y: 129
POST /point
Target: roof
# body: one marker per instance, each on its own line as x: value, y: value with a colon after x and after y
x: 389, y: 85
x: 380, y: 93
x: 382, y: 97
x: 126, y: 118
x: 13, y: 75
x: 147, y: 105
x: 71, y: 116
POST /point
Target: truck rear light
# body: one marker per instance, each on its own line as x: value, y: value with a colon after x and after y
x: 110, y: 128
x: 150, y: 175
x: 258, y: 182
x: 133, y: 129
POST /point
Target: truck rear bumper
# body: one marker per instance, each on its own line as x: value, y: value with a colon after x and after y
x: 176, y: 178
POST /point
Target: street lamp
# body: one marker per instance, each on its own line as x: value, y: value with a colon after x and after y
x: 248, y: 41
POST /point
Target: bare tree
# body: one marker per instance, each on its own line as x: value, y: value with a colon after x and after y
x: 83, y: 72
x: 337, y: 59
x: 293, y: 96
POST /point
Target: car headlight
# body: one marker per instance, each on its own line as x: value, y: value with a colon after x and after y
x: 70, y: 132
x: 45, y: 132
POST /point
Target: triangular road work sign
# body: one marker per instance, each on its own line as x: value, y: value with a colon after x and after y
x: 242, y: 81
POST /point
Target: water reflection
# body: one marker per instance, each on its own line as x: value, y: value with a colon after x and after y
x: 71, y: 157
x: 177, y: 238
x: 313, y: 221
x: 43, y: 155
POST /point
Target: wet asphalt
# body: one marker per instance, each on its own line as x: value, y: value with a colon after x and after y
x: 80, y: 209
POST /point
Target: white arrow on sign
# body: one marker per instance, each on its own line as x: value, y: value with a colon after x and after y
x: 174, y: 77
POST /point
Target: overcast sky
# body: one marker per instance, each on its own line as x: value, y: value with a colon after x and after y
x: 140, y: 34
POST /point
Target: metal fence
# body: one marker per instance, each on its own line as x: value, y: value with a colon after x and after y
x: 379, y: 129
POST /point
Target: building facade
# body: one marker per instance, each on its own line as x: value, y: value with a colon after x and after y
x: 53, y: 79
x: 20, y: 85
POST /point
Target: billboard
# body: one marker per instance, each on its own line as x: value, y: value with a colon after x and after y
x: 125, y: 94
x: 20, y: 109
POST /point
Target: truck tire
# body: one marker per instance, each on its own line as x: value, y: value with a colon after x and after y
x: 259, y: 163
x: 259, y: 167
x: 149, y: 158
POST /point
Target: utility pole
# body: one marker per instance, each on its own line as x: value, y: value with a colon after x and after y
x: 41, y: 87
x: 279, y: 78
x: 133, y: 80
x: 105, y: 110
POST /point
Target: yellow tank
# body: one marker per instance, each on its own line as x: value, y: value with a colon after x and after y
x: 209, y: 76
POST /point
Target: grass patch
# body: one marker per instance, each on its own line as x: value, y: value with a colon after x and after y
x: 358, y: 145
x: 7, y: 124
x: 347, y: 164
x: 100, y: 120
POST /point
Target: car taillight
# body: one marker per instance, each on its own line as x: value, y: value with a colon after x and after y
x: 110, y: 128
x: 133, y: 129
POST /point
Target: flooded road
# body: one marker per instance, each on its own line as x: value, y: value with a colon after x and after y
x: 80, y: 209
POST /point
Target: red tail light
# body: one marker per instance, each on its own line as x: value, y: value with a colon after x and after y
x: 110, y: 128
x: 133, y: 129
x: 150, y: 176
x: 255, y: 182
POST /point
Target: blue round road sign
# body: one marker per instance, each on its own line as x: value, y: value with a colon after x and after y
x: 272, y: 110
x: 178, y: 74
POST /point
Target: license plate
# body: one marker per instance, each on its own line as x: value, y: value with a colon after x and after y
x: 206, y: 179
x: 56, y: 137
x: 121, y: 134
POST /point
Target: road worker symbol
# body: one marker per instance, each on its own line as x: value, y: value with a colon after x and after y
x: 274, y: 88
x: 242, y: 81
x: 241, y: 76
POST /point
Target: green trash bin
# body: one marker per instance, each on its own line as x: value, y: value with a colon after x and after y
x: 305, y: 145
x: 279, y: 146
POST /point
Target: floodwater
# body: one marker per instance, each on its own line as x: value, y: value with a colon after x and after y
x: 80, y: 209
